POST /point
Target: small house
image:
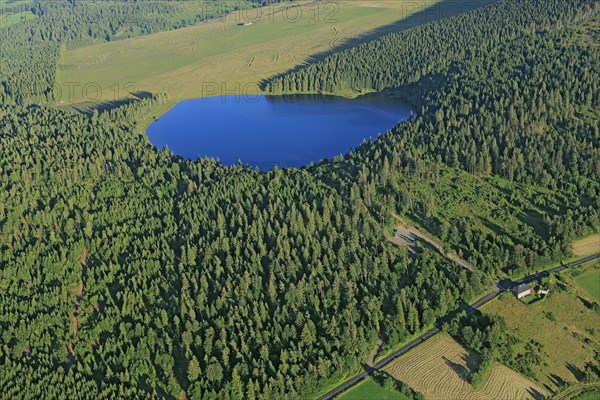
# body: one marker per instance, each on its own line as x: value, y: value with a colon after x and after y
x: 544, y: 292
x: 523, y: 290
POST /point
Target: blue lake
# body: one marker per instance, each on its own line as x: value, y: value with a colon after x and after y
x: 263, y: 131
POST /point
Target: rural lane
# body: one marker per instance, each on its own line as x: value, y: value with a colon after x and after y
x: 498, y: 289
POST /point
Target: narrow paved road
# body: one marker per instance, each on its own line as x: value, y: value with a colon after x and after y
x: 498, y: 289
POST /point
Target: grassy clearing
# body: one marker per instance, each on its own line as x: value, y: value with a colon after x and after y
x: 220, y: 56
x: 564, y: 324
x: 14, y: 18
x: 440, y: 369
x: 371, y: 390
x: 488, y: 205
x: 586, y: 246
x: 14, y: 11
x: 14, y: 3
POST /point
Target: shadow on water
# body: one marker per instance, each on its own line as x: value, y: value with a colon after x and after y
x: 440, y: 10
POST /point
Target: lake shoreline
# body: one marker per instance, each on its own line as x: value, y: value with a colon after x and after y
x: 266, y: 130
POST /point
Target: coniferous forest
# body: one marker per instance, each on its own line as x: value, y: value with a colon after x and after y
x: 128, y: 272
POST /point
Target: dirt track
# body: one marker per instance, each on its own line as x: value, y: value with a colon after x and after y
x: 405, y: 235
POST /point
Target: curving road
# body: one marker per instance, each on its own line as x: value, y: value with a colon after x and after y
x: 498, y: 289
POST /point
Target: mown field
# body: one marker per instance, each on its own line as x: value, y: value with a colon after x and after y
x: 440, y: 369
x: 220, y: 56
x: 586, y: 246
x: 565, y: 325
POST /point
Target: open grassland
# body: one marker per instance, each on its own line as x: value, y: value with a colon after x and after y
x: 564, y: 324
x: 371, y: 390
x: 586, y: 246
x: 440, y: 369
x: 220, y: 56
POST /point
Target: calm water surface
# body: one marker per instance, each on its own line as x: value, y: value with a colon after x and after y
x: 263, y: 131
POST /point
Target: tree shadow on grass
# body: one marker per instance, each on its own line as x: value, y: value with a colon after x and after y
x: 536, y: 394
x: 459, y: 369
x: 88, y: 108
x: 558, y: 381
x: 588, y: 304
x: 577, y: 373
x: 379, y: 376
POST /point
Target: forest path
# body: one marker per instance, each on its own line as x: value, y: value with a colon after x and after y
x: 407, y: 235
x: 374, y: 352
x: 77, y: 293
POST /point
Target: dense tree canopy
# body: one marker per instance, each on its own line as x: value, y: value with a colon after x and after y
x: 126, y: 272
x: 520, y: 118
x: 124, y: 266
x: 30, y: 50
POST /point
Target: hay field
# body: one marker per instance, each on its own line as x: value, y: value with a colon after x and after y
x: 586, y: 246
x: 220, y: 56
x: 440, y: 369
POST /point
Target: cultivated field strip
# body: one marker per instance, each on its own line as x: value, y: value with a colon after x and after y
x: 440, y: 369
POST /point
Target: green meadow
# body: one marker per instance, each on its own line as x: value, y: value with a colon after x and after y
x: 590, y: 282
x: 220, y: 56
x: 371, y: 390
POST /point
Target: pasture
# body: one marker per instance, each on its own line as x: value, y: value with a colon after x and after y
x: 590, y: 282
x: 221, y: 56
x: 564, y: 324
x: 440, y: 369
x: 371, y: 390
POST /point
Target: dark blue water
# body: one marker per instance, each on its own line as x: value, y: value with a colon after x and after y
x: 287, y: 131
